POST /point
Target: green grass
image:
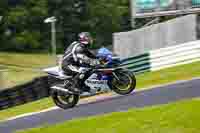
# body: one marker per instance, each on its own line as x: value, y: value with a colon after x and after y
x: 26, y: 108
x: 183, y: 72
x: 21, y: 68
x: 16, y: 76
x: 180, y: 117
x: 26, y: 60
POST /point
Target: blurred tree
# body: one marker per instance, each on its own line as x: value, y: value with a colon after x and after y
x: 70, y: 14
x: 22, y: 25
x: 106, y: 17
x: 23, y: 29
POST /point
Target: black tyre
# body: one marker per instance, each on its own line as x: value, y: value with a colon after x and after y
x: 124, y: 82
x: 65, y: 101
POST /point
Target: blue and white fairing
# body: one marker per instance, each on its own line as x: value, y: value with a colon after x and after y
x: 107, y: 55
x: 100, y: 80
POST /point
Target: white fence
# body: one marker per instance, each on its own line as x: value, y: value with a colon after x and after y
x: 165, y: 57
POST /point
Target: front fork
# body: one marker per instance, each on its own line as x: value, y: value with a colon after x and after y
x: 115, y: 76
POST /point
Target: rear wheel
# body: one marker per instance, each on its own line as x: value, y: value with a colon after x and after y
x: 123, y: 82
x: 65, y: 101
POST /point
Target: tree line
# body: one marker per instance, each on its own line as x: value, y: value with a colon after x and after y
x: 23, y: 29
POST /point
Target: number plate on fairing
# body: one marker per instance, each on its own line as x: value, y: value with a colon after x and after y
x: 95, y: 84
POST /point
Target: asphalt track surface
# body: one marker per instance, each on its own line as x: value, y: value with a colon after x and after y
x: 155, y: 96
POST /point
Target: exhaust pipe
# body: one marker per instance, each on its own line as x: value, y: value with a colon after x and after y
x: 61, y: 90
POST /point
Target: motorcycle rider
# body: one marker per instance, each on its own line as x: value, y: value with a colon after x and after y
x: 76, y: 56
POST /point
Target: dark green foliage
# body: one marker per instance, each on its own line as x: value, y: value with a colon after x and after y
x: 23, y: 29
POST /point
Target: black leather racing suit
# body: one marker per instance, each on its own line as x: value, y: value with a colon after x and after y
x: 77, y: 55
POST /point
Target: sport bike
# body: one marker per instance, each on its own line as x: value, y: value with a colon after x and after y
x: 109, y: 77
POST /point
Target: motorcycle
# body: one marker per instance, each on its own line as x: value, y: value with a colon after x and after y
x: 110, y: 77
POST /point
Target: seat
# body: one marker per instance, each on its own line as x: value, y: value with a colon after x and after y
x: 57, y: 73
x: 63, y: 76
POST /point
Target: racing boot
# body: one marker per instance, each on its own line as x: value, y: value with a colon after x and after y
x: 74, y: 88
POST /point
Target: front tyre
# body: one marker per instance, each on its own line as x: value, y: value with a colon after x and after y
x: 123, y: 82
x: 65, y: 101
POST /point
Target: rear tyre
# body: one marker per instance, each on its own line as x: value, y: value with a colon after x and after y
x: 123, y: 82
x: 65, y: 101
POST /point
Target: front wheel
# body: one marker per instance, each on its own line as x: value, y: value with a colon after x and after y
x: 65, y: 101
x: 123, y: 82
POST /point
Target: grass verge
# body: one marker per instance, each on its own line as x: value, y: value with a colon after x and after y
x: 14, y: 77
x: 26, y: 108
x: 24, y: 60
x: 26, y: 65
x: 183, y: 72
x: 180, y: 117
